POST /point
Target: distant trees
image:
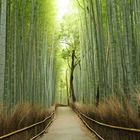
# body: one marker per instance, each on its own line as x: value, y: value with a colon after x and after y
x: 69, y: 36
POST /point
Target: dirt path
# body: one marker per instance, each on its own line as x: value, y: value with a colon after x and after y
x: 67, y: 126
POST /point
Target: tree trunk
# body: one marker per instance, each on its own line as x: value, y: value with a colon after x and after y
x: 67, y: 87
x: 71, y: 77
x: 2, y: 46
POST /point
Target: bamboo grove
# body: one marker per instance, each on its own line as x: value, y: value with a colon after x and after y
x: 110, y: 51
x: 106, y: 52
x: 27, y: 52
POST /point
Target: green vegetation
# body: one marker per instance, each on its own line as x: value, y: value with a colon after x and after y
x: 110, y: 51
x: 105, y: 37
x: 88, y: 55
x: 27, y: 62
x: 27, y: 52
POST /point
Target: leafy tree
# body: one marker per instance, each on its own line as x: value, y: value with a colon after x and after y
x: 69, y: 38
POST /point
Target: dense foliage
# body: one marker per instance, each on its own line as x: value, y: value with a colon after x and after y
x: 97, y: 44
x: 27, y: 52
x: 110, y: 51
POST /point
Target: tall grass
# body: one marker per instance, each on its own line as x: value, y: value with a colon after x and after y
x: 22, y: 116
x: 112, y: 112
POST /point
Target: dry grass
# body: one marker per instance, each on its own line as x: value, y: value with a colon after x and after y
x: 22, y: 115
x: 111, y: 112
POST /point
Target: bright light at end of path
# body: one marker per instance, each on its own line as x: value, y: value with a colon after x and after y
x: 63, y: 8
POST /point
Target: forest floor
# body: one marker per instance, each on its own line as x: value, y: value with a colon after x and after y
x: 67, y: 126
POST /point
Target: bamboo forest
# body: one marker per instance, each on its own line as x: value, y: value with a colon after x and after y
x: 70, y: 69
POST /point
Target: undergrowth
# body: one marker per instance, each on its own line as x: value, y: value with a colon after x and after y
x: 112, y: 112
x: 22, y: 115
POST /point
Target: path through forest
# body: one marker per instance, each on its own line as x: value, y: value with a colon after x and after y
x: 67, y: 126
